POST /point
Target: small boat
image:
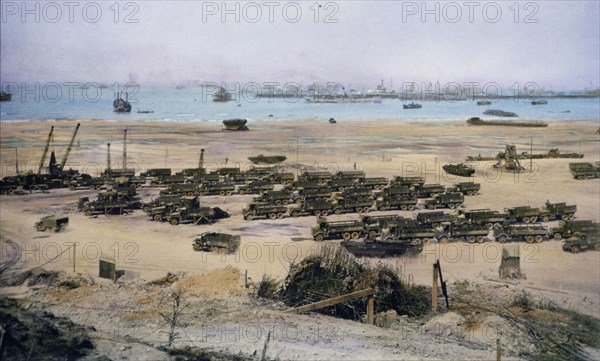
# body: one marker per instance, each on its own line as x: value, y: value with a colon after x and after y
x: 145, y: 111
x: 235, y: 124
x: 479, y: 121
x: 484, y: 102
x: 500, y: 113
x: 221, y: 95
x: 539, y: 102
x: 264, y: 159
x: 179, y: 87
x: 120, y: 105
x: 332, y: 121
x: 5, y: 97
x: 412, y: 106
x: 460, y: 169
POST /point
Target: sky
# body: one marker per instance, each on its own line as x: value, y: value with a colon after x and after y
x: 554, y: 44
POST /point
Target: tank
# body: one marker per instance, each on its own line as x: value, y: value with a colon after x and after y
x: 210, y: 241
x: 235, y: 124
x: 459, y: 169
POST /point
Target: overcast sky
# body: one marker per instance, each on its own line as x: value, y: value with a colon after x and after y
x: 552, y: 43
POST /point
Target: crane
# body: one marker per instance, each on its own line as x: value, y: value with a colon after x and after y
x: 200, y: 165
x: 45, y: 153
x: 108, y: 159
x: 125, y: 149
x: 64, y: 160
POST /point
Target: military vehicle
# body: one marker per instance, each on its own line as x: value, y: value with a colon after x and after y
x: 167, y: 179
x: 264, y: 210
x: 391, y: 202
x: 232, y: 124
x: 428, y: 190
x: 450, y: 200
x: 255, y: 187
x: 569, y: 228
x: 521, y: 232
x: 277, y: 197
x: 584, y: 170
x: 211, y: 241
x: 398, y: 191
x: 270, y: 159
x: 322, y: 193
x: 408, y: 181
x: 159, y: 208
x: 302, y: 184
x: 108, y: 202
x: 523, y: 214
x: 190, y: 211
x: 581, y: 241
x: 341, y: 183
x: 466, y: 188
x: 434, y: 219
x: 321, y: 177
x: 183, y: 189
x: 460, y: 169
x: 311, y: 207
x: 281, y: 178
x: 156, y: 172
x: 418, y: 235
x: 337, y: 230
x: 52, y: 223
x: 373, y: 182
x: 350, y: 174
x: 486, y: 217
x: 373, y: 225
x: 357, y: 192
x: 352, y: 204
x: 552, y: 211
x: 467, y: 232
x: 87, y: 181
x: 218, y: 188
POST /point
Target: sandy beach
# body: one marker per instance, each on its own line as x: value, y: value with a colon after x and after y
x: 148, y: 250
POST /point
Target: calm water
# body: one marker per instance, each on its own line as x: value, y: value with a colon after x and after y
x: 190, y: 104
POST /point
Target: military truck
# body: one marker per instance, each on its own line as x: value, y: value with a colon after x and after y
x: 418, y: 235
x: 408, y: 181
x: 434, y: 219
x: 109, y: 202
x: 584, y: 170
x: 282, y: 178
x: 277, y: 197
x: 569, y: 228
x: 87, y: 181
x: 322, y: 193
x: 255, y: 187
x: 374, y: 225
x: 552, y: 211
x: 581, y: 241
x: 352, y: 204
x: 405, y: 204
x: 156, y: 172
x: 467, y: 232
x: 428, y: 190
x: 167, y: 179
x: 486, y: 217
x: 466, y: 188
x: 321, y: 177
x: 189, y: 211
x: 337, y: 230
x: 373, y: 182
x: 350, y: 174
x: 183, y: 189
x: 52, y: 223
x: 450, y: 200
x: 523, y: 214
x: 220, y: 188
x: 521, y: 232
x: 311, y: 207
x: 341, y: 183
x: 211, y: 241
x: 357, y: 192
x: 264, y: 210
x: 302, y: 184
x: 397, y: 191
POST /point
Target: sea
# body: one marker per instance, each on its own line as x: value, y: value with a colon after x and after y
x: 192, y: 104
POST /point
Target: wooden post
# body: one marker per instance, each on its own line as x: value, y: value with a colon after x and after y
x: 74, y: 255
x: 498, y: 349
x: 246, y: 279
x: 434, y: 288
x: 264, y: 352
x: 370, y: 310
x: 333, y: 301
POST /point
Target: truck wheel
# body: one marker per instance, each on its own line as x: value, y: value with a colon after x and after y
x: 546, y: 219
x: 411, y: 207
x: 417, y: 241
x: 221, y: 193
x: 530, y: 239
x: 183, y: 194
x: 346, y: 236
x: 373, y: 235
x: 273, y: 215
x: 190, y: 194
x: 525, y: 219
x: 285, y: 202
x: 241, y: 192
x: 539, y: 239
x: 451, y: 205
x: 227, y: 193
x: 174, y: 221
x: 319, y: 237
x: 403, y: 207
x: 298, y: 200
x: 489, y: 225
x: 533, y: 219
x: 355, y: 235
x: 430, y: 206
x: 278, y: 202
x: 501, y: 239
x: 366, y: 209
x: 570, y: 216
x: 471, y: 239
x: 48, y: 230
x: 480, y: 239
x: 358, y: 209
x: 575, y: 249
x: 88, y: 212
x: 557, y: 236
x: 279, y: 215
x: 249, y: 217
x: 157, y: 218
x: 317, y: 213
x: 443, y: 240
x: 295, y: 214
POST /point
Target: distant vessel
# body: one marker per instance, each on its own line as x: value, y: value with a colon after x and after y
x: 271, y: 159
x: 460, y: 169
x: 337, y: 99
x: 539, y: 102
x: 412, y: 106
x: 5, y: 97
x: 332, y: 121
x: 120, y: 105
x: 235, y: 124
x: 479, y: 121
x: 484, y: 102
x: 145, y: 111
x: 500, y: 113
x: 179, y: 87
x: 221, y: 95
